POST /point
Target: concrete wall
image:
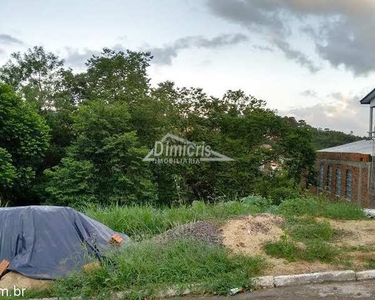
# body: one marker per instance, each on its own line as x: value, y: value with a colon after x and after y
x: 359, y: 164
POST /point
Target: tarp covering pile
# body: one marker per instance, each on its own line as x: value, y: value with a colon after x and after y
x: 48, y: 242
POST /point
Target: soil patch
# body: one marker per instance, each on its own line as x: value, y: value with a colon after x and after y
x: 11, y: 279
x: 205, y: 231
x: 248, y: 235
x: 354, y: 232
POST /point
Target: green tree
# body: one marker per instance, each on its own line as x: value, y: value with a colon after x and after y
x: 36, y: 75
x: 39, y: 78
x: 110, y: 157
x: 23, y: 143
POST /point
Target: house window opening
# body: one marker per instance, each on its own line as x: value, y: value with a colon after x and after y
x: 349, y: 180
x: 338, y: 182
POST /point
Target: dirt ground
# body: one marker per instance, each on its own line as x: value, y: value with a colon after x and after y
x: 12, y: 279
x: 249, y: 234
x: 205, y: 231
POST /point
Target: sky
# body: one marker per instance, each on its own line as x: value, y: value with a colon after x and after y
x: 311, y: 59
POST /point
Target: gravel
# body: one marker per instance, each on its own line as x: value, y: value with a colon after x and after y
x: 202, y: 230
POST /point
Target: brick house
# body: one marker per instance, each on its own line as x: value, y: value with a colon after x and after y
x: 347, y: 171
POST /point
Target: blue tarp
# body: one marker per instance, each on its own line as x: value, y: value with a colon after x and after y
x: 48, y: 242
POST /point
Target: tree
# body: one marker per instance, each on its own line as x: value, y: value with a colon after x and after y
x: 117, y: 76
x: 23, y: 142
x: 104, y: 164
x: 39, y: 78
x: 36, y: 75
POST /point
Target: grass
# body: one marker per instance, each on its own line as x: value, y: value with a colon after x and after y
x: 141, y: 222
x: 284, y: 248
x: 314, y: 237
x: 307, y: 228
x: 320, y: 250
x: 314, y: 250
x: 146, y: 268
x: 370, y: 263
x: 320, y: 207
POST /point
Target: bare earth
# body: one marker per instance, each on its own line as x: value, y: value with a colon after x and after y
x: 248, y: 235
x: 12, y: 279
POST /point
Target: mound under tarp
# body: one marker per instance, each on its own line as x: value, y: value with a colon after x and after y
x: 48, y: 242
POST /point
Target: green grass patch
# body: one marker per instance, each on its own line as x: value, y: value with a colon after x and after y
x: 284, y: 248
x: 307, y: 228
x: 320, y: 250
x: 146, y: 268
x: 320, y: 207
x: 370, y: 263
x: 314, y: 250
x: 144, y: 221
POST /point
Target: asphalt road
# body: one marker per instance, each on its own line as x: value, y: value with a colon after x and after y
x: 327, y: 291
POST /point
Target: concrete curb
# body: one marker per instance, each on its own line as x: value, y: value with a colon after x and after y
x: 266, y: 282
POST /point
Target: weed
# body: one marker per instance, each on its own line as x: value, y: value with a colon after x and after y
x: 308, y: 229
x: 284, y: 248
x: 145, y: 268
x: 320, y: 250
x: 141, y: 222
x: 317, y: 207
x: 370, y: 263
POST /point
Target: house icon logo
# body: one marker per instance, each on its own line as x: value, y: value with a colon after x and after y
x: 172, y: 149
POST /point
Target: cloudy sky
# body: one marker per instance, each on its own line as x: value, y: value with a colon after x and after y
x: 313, y: 59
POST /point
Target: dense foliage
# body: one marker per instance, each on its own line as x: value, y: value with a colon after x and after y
x: 71, y: 138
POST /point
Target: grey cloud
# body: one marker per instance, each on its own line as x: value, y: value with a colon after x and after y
x: 263, y: 48
x: 295, y: 55
x: 8, y: 40
x: 309, y: 93
x: 341, y: 29
x: 341, y: 113
x: 76, y: 58
x: 164, y: 55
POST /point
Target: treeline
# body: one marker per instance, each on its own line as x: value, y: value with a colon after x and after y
x: 326, y: 138
x: 69, y: 138
x: 330, y: 138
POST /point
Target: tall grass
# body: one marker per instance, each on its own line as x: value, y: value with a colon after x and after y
x: 320, y: 207
x: 145, y: 221
x: 144, y: 269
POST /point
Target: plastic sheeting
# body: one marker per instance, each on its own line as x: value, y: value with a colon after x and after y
x: 48, y: 242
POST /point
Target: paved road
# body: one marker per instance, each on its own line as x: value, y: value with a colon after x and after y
x: 328, y: 291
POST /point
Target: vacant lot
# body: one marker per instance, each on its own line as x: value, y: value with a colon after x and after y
x: 211, y: 248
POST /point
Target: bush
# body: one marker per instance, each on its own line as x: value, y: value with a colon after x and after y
x: 146, y: 268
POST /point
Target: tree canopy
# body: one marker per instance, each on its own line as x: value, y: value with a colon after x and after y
x: 70, y: 138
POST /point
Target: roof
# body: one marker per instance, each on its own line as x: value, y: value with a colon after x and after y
x: 367, y: 99
x: 361, y: 147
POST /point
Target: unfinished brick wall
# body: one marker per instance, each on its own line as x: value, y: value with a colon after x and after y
x: 358, y: 164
